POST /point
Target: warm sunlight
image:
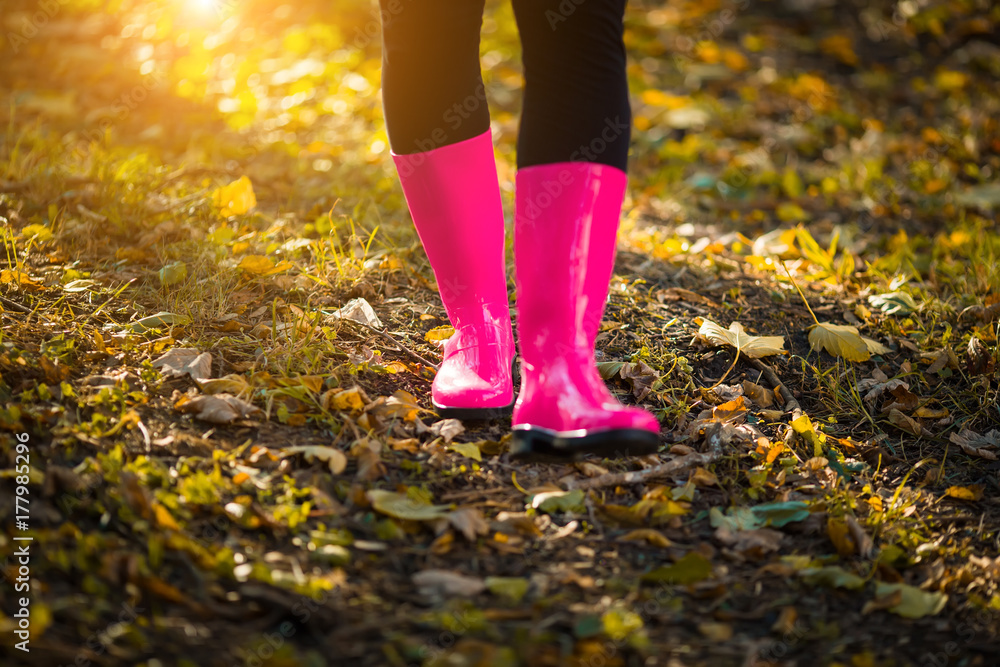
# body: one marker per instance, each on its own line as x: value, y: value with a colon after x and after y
x: 502, y: 333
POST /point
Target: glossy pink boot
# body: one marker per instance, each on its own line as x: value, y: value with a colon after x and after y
x: 454, y: 199
x: 567, y: 219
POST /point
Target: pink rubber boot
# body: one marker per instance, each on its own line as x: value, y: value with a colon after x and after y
x: 567, y: 217
x: 454, y: 199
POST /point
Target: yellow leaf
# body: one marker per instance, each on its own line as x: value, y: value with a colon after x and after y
x: 658, y: 98
x: 840, y: 340
x: 469, y: 450
x: 913, y: 602
x: 841, y: 47
x: 973, y: 493
x: 875, y: 347
x: 753, y: 347
x: 353, y: 399
x: 654, y: 537
x: 39, y: 233
x: 950, y: 80
x: 439, y: 333
x: 163, y: 518
x: 258, y: 265
x: 236, y: 198
x: 402, y: 506
x: 334, y: 458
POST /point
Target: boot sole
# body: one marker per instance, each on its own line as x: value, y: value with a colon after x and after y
x: 542, y: 445
x: 481, y: 414
x: 474, y: 414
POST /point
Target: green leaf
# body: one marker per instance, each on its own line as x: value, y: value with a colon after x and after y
x: 469, y: 450
x: 172, y: 274
x: 401, y: 506
x: 609, y: 369
x: 690, y: 569
x: 781, y: 514
x: 619, y: 624
x: 894, y: 303
x: 915, y: 603
x: 552, y: 502
x: 832, y: 576
x: 735, y: 518
x: 512, y: 588
x: 160, y: 319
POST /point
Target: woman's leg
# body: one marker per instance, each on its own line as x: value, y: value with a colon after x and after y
x: 572, y: 157
x: 432, y: 87
x: 439, y: 131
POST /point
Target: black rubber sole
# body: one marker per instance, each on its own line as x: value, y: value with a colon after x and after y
x: 481, y: 414
x: 474, y: 414
x: 541, y: 445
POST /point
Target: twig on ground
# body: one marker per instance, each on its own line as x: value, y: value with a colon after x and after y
x: 395, y: 342
x: 714, y: 453
x: 14, y: 305
x: 791, y: 405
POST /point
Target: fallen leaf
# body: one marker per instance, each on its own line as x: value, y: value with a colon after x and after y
x: 235, y: 198
x: 230, y: 384
x: 893, y: 303
x: 641, y: 377
x: 402, y: 506
x: 552, y: 502
x: 972, y: 493
x: 756, y: 543
x: 781, y: 513
x: 469, y: 450
x: 758, y: 394
x: 448, y: 429
x: 753, y: 347
x: 511, y: 588
x: 840, y: 535
x: 439, y: 334
x: 981, y: 361
x: 913, y: 603
x: 218, y: 409
x: 357, y: 310
x: 653, y: 537
x: 735, y: 519
x: 690, y: 569
x: 832, y: 576
x: 840, y: 340
x: 716, y: 632
x: 702, y: 477
x: 173, y: 274
x: 335, y: 459
x: 158, y: 320
x: 470, y: 522
x: 904, y: 423
x: 974, y: 444
x: 353, y: 399
x: 447, y: 583
x: 865, y: 544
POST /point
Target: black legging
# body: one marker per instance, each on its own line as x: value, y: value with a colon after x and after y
x: 576, y: 105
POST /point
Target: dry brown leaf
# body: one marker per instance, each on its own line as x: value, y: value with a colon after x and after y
x: 334, y: 458
x: 182, y: 361
x: 654, y: 537
x: 977, y: 445
x: 981, y: 361
x: 758, y: 394
x: 904, y: 423
x: 470, y: 522
x: 447, y: 583
x: 865, y: 544
x: 753, y: 347
x: 218, y: 409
